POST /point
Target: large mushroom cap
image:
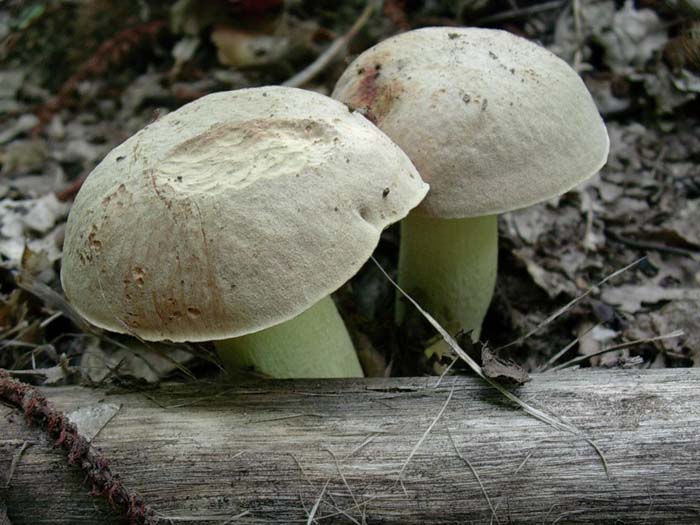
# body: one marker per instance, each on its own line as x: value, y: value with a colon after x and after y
x: 492, y: 121
x: 232, y: 214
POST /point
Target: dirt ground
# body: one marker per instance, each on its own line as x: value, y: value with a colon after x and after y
x: 80, y: 77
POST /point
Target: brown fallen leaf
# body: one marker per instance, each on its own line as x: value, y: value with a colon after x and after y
x: 502, y: 370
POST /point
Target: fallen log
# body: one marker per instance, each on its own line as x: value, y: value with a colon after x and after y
x: 374, y: 451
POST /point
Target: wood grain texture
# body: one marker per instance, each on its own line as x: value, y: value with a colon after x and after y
x: 207, y: 453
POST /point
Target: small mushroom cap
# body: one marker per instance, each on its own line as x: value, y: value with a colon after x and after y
x: 232, y: 214
x: 492, y: 121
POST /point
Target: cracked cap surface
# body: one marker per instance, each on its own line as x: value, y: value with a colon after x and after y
x: 232, y: 214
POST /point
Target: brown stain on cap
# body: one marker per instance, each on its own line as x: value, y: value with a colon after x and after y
x: 374, y: 94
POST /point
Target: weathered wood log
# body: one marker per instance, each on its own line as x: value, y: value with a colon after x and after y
x: 356, y: 451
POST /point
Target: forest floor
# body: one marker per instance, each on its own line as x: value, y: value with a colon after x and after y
x: 80, y: 77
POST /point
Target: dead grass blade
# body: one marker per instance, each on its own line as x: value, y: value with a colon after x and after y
x: 314, y: 509
x: 15, y: 461
x: 425, y: 434
x: 568, y: 347
x: 53, y: 300
x: 398, y: 481
x: 535, y: 412
x: 580, y: 359
x: 347, y: 486
x: 569, y: 305
x: 494, y: 516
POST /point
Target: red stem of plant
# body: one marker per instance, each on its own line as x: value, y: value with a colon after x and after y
x: 39, y: 412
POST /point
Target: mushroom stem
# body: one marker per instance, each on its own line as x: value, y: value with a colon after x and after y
x: 449, y: 267
x: 313, y: 344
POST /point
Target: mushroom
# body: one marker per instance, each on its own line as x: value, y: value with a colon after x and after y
x: 493, y: 123
x: 232, y: 219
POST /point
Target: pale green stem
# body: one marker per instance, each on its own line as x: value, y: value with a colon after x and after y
x: 449, y: 267
x: 313, y: 344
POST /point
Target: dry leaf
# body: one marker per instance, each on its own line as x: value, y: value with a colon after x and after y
x: 240, y: 48
x: 24, y: 156
x: 529, y: 223
x: 552, y: 283
x: 632, y: 39
x: 18, y: 219
x: 687, y: 223
x: 592, y: 339
x: 502, y: 370
x: 629, y: 298
x: 681, y: 315
x: 138, y: 361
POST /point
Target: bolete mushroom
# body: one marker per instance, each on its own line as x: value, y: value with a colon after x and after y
x: 232, y: 219
x: 493, y: 123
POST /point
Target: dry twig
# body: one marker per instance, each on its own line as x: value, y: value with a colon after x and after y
x: 325, y: 58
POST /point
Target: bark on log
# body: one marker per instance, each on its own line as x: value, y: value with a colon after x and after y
x: 273, y: 452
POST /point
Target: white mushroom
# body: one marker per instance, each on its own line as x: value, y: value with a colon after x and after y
x: 233, y: 219
x: 493, y: 123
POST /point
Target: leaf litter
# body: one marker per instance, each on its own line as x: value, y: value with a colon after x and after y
x: 644, y: 202
x: 637, y: 61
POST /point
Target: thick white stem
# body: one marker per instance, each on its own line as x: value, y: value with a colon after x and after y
x: 449, y: 267
x: 314, y: 344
